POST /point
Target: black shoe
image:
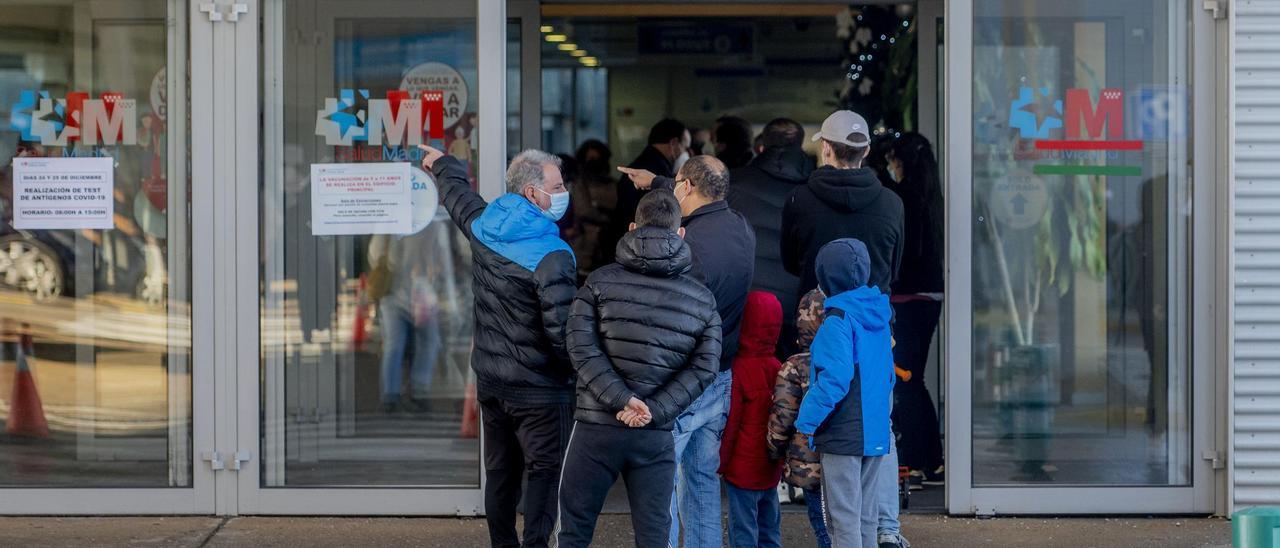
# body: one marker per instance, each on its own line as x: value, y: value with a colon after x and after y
x: 390, y: 407
x: 414, y: 406
x: 915, y: 481
x: 936, y: 477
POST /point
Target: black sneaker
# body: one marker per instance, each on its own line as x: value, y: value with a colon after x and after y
x: 936, y: 477
x: 915, y: 481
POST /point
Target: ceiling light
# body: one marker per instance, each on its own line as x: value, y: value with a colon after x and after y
x: 589, y: 61
x: 567, y: 46
x: 546, y: 28
x: 556, y: 38
x: 578, y: 52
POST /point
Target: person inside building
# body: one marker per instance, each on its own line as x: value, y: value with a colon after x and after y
x: 525, y: 279
x: 594, y: 198
x: 629, y: 394
x: 917, y: 301
x: 668, y: 145
x: 759, y: 191
x: 404, y: 280
x: 842, y: 199
x: 731, y: 136
x: 723, y: 247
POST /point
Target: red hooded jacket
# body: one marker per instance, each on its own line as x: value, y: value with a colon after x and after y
x: 744, y: 450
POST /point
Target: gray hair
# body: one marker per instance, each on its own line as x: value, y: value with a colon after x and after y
x: 526, y: 170
x: 708, y: 176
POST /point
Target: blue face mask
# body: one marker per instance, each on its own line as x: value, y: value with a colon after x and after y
x: 559, y: 204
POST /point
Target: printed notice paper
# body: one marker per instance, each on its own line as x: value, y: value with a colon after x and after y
x: 373, y: 198
x: 54, y: 193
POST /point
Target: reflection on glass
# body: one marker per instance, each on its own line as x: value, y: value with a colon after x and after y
x: 366, y: 338
x: 1080, y: 154
x: 95, y: 323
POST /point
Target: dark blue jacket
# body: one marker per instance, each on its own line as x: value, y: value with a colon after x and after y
x: 724, y: 259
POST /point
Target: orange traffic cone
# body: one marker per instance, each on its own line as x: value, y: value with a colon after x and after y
x: 359, y: 330
x: 470, y: 414
x: 26, y: 414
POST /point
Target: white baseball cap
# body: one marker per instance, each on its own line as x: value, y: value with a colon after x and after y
x: 845, y: 127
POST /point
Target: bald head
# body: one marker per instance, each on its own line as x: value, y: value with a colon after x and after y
x: 708, y: 176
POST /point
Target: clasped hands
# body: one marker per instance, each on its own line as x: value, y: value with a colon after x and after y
x: 636, y: 414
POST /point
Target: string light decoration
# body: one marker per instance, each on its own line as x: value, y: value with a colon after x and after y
x: 879, y: 64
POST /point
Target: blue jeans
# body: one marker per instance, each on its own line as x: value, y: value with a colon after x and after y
x: 696, y: 499
x: 397, y: 325
x: 754, y: 518
x: 887, y: 493
x: 813, y: 502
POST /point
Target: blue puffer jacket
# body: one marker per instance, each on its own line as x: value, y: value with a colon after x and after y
x: 846, y: 409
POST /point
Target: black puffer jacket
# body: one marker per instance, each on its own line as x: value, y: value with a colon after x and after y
x: 524, y: 278
x: 643, y: 327
x: 843, y: 203
x: 758, y: 191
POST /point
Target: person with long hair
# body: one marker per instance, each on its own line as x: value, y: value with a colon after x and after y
x: 917, y: 300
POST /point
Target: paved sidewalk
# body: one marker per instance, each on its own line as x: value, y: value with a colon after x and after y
x: 613, y: 531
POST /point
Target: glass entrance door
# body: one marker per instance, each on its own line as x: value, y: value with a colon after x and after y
x: 1081, y: 389
x: 364, y: 319
x: 105, y: 401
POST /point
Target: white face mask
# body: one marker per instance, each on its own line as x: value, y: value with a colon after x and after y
x: 680, y: 160
x: 893, y: 174
x: 559, y: 204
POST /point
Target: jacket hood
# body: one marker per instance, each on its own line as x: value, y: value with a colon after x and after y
x: 846, y: 189
x: 842, y: 265
x: 512, y: 218
x: 654, y: 251
x: 809, y: 318
x: 789, y: 164
x: 761, y: 325
x: 865, y: 306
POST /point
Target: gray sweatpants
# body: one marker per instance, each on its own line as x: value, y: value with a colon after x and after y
x: 849, y: 499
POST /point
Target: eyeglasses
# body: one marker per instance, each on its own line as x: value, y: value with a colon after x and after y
x: 684, y: 180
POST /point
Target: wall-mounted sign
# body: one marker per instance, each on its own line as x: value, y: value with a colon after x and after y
x: 703, y: 38
x: 372, y: 198
x: 55, y: 193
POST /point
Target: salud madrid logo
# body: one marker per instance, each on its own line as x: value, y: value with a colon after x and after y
x: 109, y: 120
x: 1090, y: 130
x: 353, y: 117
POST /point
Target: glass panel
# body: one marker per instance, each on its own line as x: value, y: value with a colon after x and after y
x: 366, y: 336
x: 514, y: 144
x: 1080, y: 172
x: 95, y: 316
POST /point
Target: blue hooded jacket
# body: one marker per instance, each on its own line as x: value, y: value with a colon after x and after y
x: 846, y: 409
x: 516, y: 229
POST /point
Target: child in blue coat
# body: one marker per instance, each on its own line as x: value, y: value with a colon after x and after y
x: 845, y: 413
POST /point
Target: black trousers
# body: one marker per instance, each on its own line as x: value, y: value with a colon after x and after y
x: 516, y: 439
x: 597, y: 455
x: 914, y: 417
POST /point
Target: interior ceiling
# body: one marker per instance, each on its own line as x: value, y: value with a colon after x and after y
x: 794, y: 40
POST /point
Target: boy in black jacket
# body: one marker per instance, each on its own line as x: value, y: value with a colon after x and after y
x: 644, y: 338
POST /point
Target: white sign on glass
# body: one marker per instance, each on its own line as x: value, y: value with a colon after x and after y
x: 61, y: 193
x: 370, y: 198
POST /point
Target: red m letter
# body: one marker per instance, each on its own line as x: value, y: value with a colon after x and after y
x: 1110, y: 111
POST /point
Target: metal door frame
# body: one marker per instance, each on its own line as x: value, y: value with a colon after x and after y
x: 242, y: 314
x: 189, y: 55
x: 1201, y: 288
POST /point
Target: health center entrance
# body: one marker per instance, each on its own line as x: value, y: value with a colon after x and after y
x: 264, y: 325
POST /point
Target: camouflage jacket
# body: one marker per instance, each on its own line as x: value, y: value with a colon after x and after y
x: 804, y: 467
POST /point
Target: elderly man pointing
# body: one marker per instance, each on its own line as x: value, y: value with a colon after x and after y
x: 524, y: 280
